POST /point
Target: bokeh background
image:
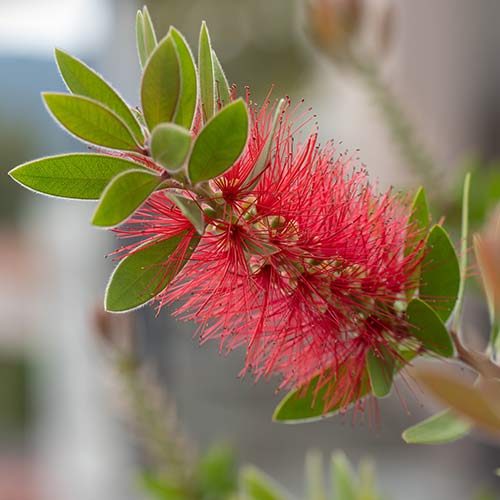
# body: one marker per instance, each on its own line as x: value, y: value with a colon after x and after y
x: 61, y: 437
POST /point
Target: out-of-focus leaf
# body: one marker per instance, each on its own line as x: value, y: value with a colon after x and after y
x: 160, y: 488
x: 160, y: 85
x: 217, y: 473
x: 471, y: 402
x: 206, y: 71
x: 220, y: 143
x: 123, y: 196
x: 189, y: 85
x: 170, y: 145
x: 84, y: 81
x: 444, y: 427
x: 255, y: 485
x: 440, y: 273
x: 145, y: 273
x: 426, y: 325
x: 81, y: 176
x: 90, y: 121
x: 315, y: 484
x: 344, y: 485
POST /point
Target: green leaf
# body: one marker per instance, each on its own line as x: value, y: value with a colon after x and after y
x: 256, y: 485
x: 188, y: 79
x: 441, y: 428
x: 160, y: 84
x: 381, y: 368
x: 221, y: 84
x: 90, y: 121
x: 305, y: 405
x: 160, y: 488
x: 265, y: 152
x: 150, y: 41
x: 84, y: 81
x: 440, y: 273
x: 220, y: 143
x: 190, y: 210
x: 463, y: 253
x: 217, y: 473
x: 81, y: 176
x: 139, y: 35
x: 170, y: 145
x: 427, y: 326
x: 123, y: 196
x: 343, y: 478
x: 207, y: 77
x: 145, y: 273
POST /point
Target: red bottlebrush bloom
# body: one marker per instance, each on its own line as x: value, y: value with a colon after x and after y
x: 302, y: 264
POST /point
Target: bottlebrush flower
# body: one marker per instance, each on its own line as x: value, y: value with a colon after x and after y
x: 301, y: 264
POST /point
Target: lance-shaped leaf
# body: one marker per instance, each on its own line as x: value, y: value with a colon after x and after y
x: 381, y: 368
x: 145, y: 35
x: 426, y: 326
x: 256, y: 485
x: 160, y: 84
x: 170, y: 145
x: 265, y: 152
x: 90, y: 121
x: 476, y: 403
x: 188, y: 82
x: 315, y: 483
x: 221, y: 83
x: 418, y: 224
x: 220, y: 143
x: 306, y: 404
x: 441, y: 428
x: 190, y: 210
x: 206, y: 72
x: 344, y: 483
x: 81, y: 176
x: 145, y: 273
x: 84, y: 81
x: 440, y: 273
x: 123, y: 196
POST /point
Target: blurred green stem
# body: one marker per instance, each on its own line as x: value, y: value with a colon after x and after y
x: 417, y: 157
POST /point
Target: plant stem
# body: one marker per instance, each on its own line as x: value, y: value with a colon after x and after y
x: 419, y: 160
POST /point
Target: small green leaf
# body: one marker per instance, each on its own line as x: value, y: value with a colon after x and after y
x: 343, y: 479
x: 90, y: 121
x: 420, y: 218
x: 220, y: 143
x: 160, y: 487
x: 170, y: 145
x: 217, y: 473
x: 139, y: 36
x: 427, y: 326
x: 123, y: 196
x: 189, y: 82
x: 381, y: 367
x: 207, y: 77
x: 255, y: 485
x: 84, y: 81
x: 307, y: 405
x: 160, y: 84
x: 145, y: 273
x: 265, y: 152
x: 440, y: 273
x: 315, y: 484
x: 463, y: 253
x: 190, y: 210
x: 150, y: 41
x: 81, y: 176
x: 441, y: 428
x: 221, y: 84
